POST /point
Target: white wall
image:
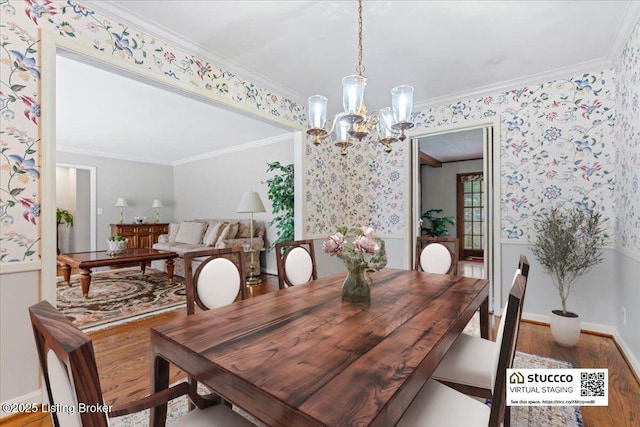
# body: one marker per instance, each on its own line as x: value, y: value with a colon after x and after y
x: 138, y: 183
x: 438, y: 187
x: 212, y: 188
x: 627, y: 281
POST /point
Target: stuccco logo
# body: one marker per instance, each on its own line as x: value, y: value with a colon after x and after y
x: 517, y: 378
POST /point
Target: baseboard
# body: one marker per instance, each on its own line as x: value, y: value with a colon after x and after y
x: 34, y: 397
x: 631, y: 358
x: 599, y: 329
x: 270, y: 271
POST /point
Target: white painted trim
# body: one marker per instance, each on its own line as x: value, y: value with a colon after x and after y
x: 298, y: 186
x: 128, y: 17
x: 85, y: 152
x: 507, y: 85
x: 35, y: 397
x: 270, y: 271
x: 624, y: 348
x: 93, y: 203
x: 629, y: 19
x: 285, y: 137
x: 20, y: 267
x: 627, y: 252
x: 48, y: 226
x: 494, y: 274
x: 50, y: 42
x: 600, y: 329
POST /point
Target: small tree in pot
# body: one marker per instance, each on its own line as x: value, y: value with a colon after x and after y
x: 567, y: 245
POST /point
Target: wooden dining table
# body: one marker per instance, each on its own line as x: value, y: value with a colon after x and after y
x: 303, y: 357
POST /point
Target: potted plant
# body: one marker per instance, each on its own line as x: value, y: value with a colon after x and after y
x: 63, y: 216
x: 567, y: 245
x: 116, y: 245
x: 437, y: 225
x: 281, y: 194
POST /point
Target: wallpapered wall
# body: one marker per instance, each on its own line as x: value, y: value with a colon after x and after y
x: 20, y: 98
x: 557, y: 147
x: 558, y: 143
x: 627, y: 137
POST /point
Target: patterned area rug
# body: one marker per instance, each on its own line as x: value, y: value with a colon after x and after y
x: 521, y: 416
x: 117, y: 296
x: 548, y: 416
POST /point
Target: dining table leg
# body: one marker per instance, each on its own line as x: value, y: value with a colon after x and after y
x: 159, y: 381
x: 484, y: 319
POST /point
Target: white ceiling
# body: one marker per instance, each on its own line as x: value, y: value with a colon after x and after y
x: 446, y: 50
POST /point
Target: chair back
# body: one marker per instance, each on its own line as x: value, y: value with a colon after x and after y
x: 437, y: 254
x: 296, y: 262
x: 507, y: 337
x: 217, y: 281
x: 68, y: 365
x: 523, y: 266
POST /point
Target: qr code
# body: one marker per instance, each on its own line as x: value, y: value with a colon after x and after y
x: 592, y: 384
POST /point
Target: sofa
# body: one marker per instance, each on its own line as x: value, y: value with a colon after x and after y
x: 198, y: 234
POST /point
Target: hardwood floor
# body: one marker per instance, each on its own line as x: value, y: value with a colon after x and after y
x: 122, y: 355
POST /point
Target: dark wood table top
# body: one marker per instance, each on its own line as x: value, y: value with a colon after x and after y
x: 100, y: 258
x: 302, y: 357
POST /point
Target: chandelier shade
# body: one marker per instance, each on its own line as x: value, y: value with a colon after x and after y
x: 317, y: 111
x: 354, y: 122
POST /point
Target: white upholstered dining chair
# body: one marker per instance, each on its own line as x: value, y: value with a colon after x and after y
x: 437, y: 254
x: 439, y: 405
x: 296, y: 262
x: 71, y: 377
x: 218, y: 280
x: 468, y: 366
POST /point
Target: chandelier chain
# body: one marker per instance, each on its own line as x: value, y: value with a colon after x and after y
x: 360, y: 67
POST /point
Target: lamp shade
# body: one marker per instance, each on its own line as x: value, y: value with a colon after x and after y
x: 251, y: 203
x: 156, y: 203
x: 121, y: 203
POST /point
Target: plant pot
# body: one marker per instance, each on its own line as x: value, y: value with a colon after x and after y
x: 115, y: 247
x: 565, y: 327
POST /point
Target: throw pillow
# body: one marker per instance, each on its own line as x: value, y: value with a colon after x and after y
x: 191, y: 232
x: 233, y: 232
x: 224, y: 234
x: 213, y: 232
x: 173, y: 231
x: 244, y: 229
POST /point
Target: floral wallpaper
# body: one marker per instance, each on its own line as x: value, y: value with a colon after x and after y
x: 20, y: 98
x: 627, y: 136
x: 556, y: 148
x: 365, y: 187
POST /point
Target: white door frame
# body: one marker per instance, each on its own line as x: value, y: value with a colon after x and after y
x: 49, y: 43
x: 491, y: 163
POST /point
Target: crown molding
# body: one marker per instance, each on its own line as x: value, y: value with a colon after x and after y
x: 236, y: 148
x: 224, y: 151
x: 128, y: 17
x: 630, y: 19
x: 74, y: 150
x: 507, y: 85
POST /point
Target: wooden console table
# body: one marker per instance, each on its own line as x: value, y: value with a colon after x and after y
x: 140, y: 235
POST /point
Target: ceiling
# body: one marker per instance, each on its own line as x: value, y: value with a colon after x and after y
x: 446, y: 50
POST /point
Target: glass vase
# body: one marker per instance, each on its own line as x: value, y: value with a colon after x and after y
x: 357, y: 285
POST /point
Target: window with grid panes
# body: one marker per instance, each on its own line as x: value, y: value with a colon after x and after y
x: 470, y: 213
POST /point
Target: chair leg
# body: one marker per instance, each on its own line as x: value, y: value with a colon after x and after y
x: 507, y: 416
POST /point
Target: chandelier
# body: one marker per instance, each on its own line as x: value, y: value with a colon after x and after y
x: 354, y: 123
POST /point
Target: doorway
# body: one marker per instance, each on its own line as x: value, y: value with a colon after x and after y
x: 76, y: 193
x: 455, y: 150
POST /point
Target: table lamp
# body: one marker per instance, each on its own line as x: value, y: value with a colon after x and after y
x: 120, y: 203
x: 157, y: 204
x: 251, y: 203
